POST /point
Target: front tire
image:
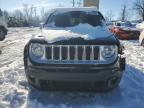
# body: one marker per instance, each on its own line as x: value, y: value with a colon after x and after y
x: 142, y: 43
x: 32, y: 83
x: 2, y: 34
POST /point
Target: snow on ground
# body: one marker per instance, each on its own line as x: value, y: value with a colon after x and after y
x: 16, y: 93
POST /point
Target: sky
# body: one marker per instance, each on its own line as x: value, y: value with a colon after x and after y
x: 105, y: 5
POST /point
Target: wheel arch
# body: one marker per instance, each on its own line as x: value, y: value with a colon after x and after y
x: 25, y: 54
x: 3, y: 28
x: 142, y: 43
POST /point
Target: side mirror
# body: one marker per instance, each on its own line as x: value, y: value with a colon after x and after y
x: 41, y: 25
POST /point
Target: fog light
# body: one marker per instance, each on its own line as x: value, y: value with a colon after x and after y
x: 112, y: 81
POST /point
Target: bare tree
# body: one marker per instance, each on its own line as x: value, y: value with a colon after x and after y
x: 6, y: 15
x: 44, y: 15
x: 124, y: 13
x: 1, y: 12
x: 33, y: 11
x: 73, y: 3
x: 18, y: 15
x: 29, y: 11
x: 109, y: 16
x: 30, y: 14
x: 139, y: 8
x: 79, y: 3
x: 26, y: 11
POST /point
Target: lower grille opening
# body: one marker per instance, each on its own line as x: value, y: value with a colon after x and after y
x: 73, y: 86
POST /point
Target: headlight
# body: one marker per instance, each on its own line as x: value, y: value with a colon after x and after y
x: 108, y: 51
x: 37, y: 49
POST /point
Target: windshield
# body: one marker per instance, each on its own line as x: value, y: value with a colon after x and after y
x: 126, y: 24
x: 73, y: 18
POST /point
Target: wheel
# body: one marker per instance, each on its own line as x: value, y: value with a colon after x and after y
x: 33, y: 82
x: 2, y: 34
x: 113, y: 82
x: 36, y: 83
x: 142, y: 43
x: 122, y: 64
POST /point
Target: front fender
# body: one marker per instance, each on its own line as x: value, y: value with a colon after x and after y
x: 25, y: 55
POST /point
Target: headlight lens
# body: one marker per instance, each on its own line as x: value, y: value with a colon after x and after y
x: 109, y: 51
x: 37, y: 49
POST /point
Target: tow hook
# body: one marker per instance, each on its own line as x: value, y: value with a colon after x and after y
x: 112, y: 81
x: 122, y: 63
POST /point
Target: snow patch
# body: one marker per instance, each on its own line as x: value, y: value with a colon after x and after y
x: 15, y: 92
x: 85, y: 31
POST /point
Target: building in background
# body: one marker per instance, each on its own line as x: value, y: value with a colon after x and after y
x: 89, y: 3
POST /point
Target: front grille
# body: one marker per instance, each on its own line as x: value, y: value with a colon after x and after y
x: 72, y: 52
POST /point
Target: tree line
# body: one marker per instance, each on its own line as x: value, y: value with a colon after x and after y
x: 127, y: 12
x: 29, y: 16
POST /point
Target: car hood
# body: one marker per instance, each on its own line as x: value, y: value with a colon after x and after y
x: 129, y: 28
x: 84, y: 31
x: 141, y: 37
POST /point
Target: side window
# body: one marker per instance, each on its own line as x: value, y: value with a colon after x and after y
x: 118, y: 24
x: 128, y: 24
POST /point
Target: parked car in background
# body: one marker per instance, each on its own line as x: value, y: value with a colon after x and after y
x: 140, y: 26
x: 124, y: 30
x: 141, y: 38
x: 74, y: 47
x: 3, y: 27
x: 135, y: 22
x: 13, y: 22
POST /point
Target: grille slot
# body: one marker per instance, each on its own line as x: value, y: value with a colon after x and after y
x: 80, y: 52
x: 64, y: 53
x: 72, y: 52
x: 56, y: 53
x: 96, y: 55
x: 88, y: 52
x: 49, y: 53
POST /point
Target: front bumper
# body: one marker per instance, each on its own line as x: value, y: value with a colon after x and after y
x: 74, y: 73
x: 66, y: 75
